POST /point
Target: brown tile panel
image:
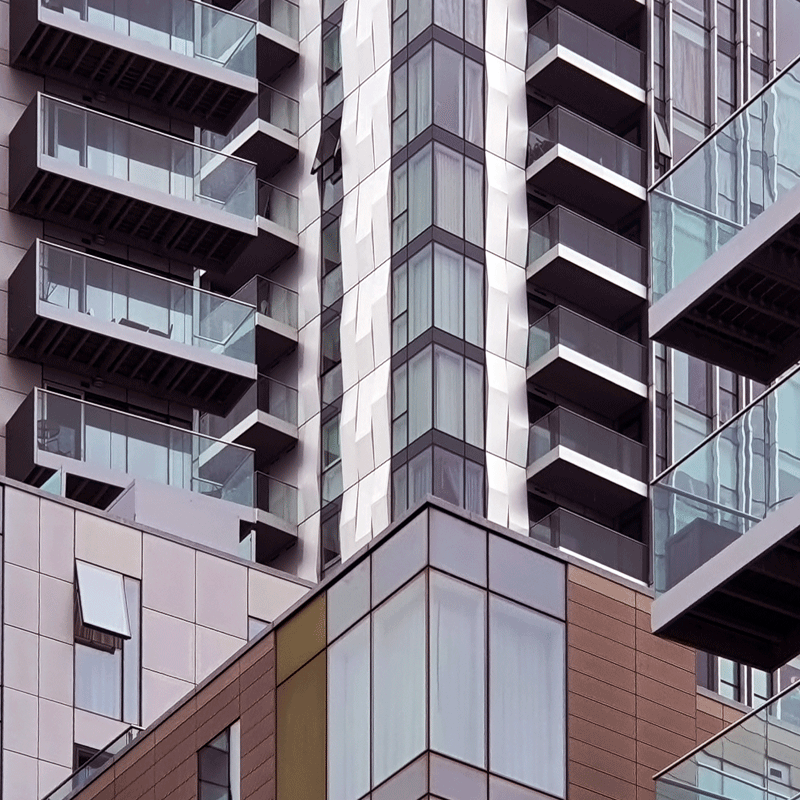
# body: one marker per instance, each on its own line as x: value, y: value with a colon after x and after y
x: 617, y: 743
x: 594, y: 666
x: 600, y: 602
x: 606, y: 648
x: 602, y: 692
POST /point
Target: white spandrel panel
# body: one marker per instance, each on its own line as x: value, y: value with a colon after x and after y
x: 308, y: 66
x: 497, y: 205
x: 347, y: 522
x: 497, y: 496
x: 373, y: 242
x: 497, y: 31
x: 308, y: 476
x: 518, y: 424
x: 496, y: 305
x: 308, y: 399
x: 517, y: 30
x: 347, y: 427
x: 518, y: 516
x: 380, y: 311
x: 347, y: 334
x: 372, y: 425
x: 497, y: 100
x: 497, y: 403
x: 517, y: 343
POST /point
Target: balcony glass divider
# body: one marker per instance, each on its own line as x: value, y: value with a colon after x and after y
x: 278, y: 206
x: 270, y: 299
x: 276, y: 497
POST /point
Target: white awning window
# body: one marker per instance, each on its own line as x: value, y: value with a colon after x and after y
x: 101, y: 594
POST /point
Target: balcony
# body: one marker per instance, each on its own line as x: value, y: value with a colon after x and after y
x: 610, y: 14
x: 276, y: 318
x: 277, y: 238
x: 571, y: 257
x: 122, y: 182
x: 754, y: 759
x: 181, y: 58
x: 130, y: 328
x: 276, y: 517
x: 725, y: 533
x: 603, y: 173
x: 264, y: 419
x: 595, y: 542
x: 725, y: 241
x: 267, y: 132
x: 278, y: 34
x: 101, y: 451
x: 575, y: 62
x: 572, y: 457
x: 576, y: 359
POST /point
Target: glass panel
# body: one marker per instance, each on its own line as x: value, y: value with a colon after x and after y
x: 98, y: 680
x: 419, y: 192
x: 276, y: 497
x: 277, y: 206
x: 399, y: 718
x: 349, y: 714
x: 449, y: 89
x: 458, y: 669
x: 102, y: 600
x: 527, y: 699
x: 420, y: 394
x: 448, y: 189
x: 449, y: 392
x: 448, y: 291
x: 419, y: 92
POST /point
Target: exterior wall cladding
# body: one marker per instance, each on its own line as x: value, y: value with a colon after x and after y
x: 307, y: 715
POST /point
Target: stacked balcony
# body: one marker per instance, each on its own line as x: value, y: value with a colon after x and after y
x: 130, y: 328
x: 572, y: 61
x: 133, y: 185
x: 99, y: 451
x: 276, y: 318
x: 182, y: 58
x: 610, y: 13
x: 573, y: 458
x: 726, y: 241
x: 726, y: 536
x: 276, y: 516
x: 278, y: 33
x: 586, y: 363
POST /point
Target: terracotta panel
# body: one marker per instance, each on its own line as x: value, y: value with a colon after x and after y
x: 643, y: 621
x: 257, y: 652
x: 584, y: 731
x: 706, y: 722
x: 185, y: 772
x: 601, y: 646
x: 594, y: 689
x: 666, y: 651
x: 668, y: 696
x: 591, y: 664
x: 592, y: 620
x: 670, y: 742
x: 665, y: 673
x: 654, y: 758
x: 667, y: 718
x: 599, y: 782
x: 582, y: 793
x: 599, y: 714
x: 708, y: 706
x: 601, y: 585
x: 603, y: 761
x: 600, y: 602
x: 645, y: 794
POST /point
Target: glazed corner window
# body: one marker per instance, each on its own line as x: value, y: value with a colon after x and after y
x: 411, y: 17
x: 107, y: 645
x: 219, y: 767
x: 331, y: 460
x: 332, y: 88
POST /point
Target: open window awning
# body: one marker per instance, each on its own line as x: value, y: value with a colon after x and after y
x: 330, y: 146
x: 101, y: 594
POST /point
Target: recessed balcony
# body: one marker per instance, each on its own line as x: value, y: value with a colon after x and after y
x: 133, y: 185
x: 577, y: 459
x: 179, y: 57
x: 572, y: 159
x: 726, y: 242
x: 571, y: 257
x: 276, y: 318
x: 267, y: 132
x: 572, y: 61
x: 100, y: 451
x: 278, y: 33
x: 277, y: 238
x: 264, y: 419
x: 726, y: 536
x: 610, y: 14
x: 574, y: 358
x: 276, y: 517
x: 84, y: 314
x: 595, y: 542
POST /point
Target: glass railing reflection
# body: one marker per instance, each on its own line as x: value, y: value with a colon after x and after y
x: 270, y: 299
x: 276, y: 498
x: 277, y: 205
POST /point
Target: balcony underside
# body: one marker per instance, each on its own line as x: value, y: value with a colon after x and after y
x: 609, y: 14
x: 273, y: 536
x: 150, y: 78
x: 274, y: 341
x: 275, y: 52
x: 266, y: 434
x: 567, y: 374
x: 273, y: 245
x: 270, y: 147
x: 562, y: 473
x: 579, y: 181
x: 102, y: 211
x: 586, y: 88
x: 570, y: 275
x: 741, y: 308
x: 122, y: 360
x: 742, y: 602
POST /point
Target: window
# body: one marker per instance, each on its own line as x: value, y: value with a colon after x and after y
x: 331, y: 378
x: 219, y: 765
x: 332, y: 86
x: 328, y: 162
x: 107, y: 643
x: 441, y: 187
x: 332, y: 286
x: 735, y: 681
x: 331, y: 460
x: 411, y: 17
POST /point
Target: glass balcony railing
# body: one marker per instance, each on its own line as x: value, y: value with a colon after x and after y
x: 271, y: 106
x: 109, y: 292
x: 267, y: 395
x: 581, y: 435
x: 561, y: 226
x: 143, y: 157
x: 754, y: 759
x: 562, y: 326
x: 277, y: 206
x: 744, y: 167
x: 270, y: 299
x: 282, y: 15
x: 143, y: 448
x: 728, y: 484
x: 276, y: 497
x: 579, y: 535
x: 562, y: 127
x: 97, y: 763
x: 186, y: 27
x: 561, y: 27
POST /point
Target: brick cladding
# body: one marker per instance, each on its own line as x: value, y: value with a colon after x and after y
x: 632, y: 702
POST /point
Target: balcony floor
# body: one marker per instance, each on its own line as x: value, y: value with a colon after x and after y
x: 269, y: 146
x: 266, y: 434
x: 273, y: 536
